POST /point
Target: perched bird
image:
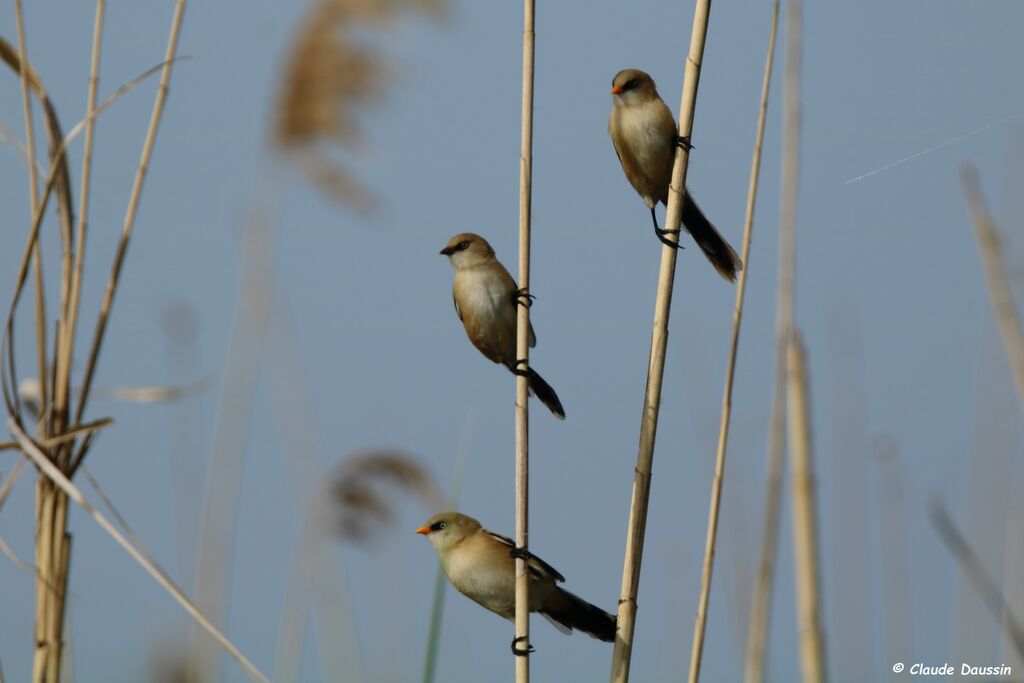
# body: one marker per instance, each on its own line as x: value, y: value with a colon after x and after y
x: 486, y: 297
x: 645, y: 136
x: 481, y: 566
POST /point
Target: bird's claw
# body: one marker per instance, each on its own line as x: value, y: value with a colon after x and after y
x: 521, y: 652
x: 522, y: 297
x: 520, y: 372
x: 665, y: 240
x: 684, y: 142
x: 519, y: 553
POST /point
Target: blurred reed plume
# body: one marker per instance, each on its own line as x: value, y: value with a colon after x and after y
x: 334, y: 73
x: 359, y: 506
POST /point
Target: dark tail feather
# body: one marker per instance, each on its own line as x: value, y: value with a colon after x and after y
x: 714, y: 246
x: 546, y: 394
x: 575, y: 613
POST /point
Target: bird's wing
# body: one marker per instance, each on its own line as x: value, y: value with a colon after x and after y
x: 512, y: 287
x: 456, y: 302
x: 537, y: 566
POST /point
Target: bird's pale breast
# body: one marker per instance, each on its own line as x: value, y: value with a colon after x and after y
x: 644, y: 139
x: 488, y: 578
x: 484, y: 296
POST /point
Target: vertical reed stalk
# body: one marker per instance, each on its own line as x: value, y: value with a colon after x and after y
x: 760, y: 611
x: 46, y: 647
x: 33, y: 193
x: 626, y: 620
x: 522, y: 613
x: 995, y: 277
x: 132, y: 210
x: 64, y: 357
x: 737, y: 316
x: 60, y: 540
x: 805, y: 533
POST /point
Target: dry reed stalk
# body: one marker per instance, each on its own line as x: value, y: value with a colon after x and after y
x: 760, y: 611
x: 976, y: 573
x: 12, y: 476
x: 995, y: 277
x: 32, y: 452
x: 130, y: 213
x: 57, y: 180
x: 51, y: 541
x: 805, y: 533
x: 737, y: 317
x: 626, y: 620
x: 522, y: 467
x: 69, y: 317
x: 43, y: 490
x: 37, y: 257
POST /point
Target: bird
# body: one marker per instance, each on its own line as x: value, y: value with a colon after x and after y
x: 645, y: 136
x: 485, y: 298
x: 481, y: 566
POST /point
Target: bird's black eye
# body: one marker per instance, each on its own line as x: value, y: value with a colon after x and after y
x: 463, y: 245
x: 630, y: 84
x: 437, y: 526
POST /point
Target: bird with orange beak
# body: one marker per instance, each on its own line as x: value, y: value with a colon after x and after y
x: 645, y: 138
x: 481, y: 566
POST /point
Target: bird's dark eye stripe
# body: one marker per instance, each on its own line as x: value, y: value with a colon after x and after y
x: 630, y: 84
x: 463, y: 245
x: 437, y: 526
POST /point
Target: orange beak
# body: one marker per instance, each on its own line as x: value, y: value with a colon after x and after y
x: 616, y: 90
x: 423, y: 530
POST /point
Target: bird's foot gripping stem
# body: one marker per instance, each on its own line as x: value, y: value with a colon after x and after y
x: 661, y: 233
x: 522, y: 297
x: 520, y: 553
x: 684, y: 142
x: 519, y: 371
x: 519, y: 651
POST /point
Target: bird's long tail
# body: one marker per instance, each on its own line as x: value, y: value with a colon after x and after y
x: 714, y: 246
x: 572, y: 612
x: 546, y: 394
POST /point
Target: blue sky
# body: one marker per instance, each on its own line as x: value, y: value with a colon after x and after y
x: 890, y: 296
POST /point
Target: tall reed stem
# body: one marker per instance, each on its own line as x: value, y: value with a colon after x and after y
x: 737, y: 317
x: 760, y: 611
x: 131, y: 211
x: 522, y: 614
x: 626, y: 620
x: 805, y: 532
